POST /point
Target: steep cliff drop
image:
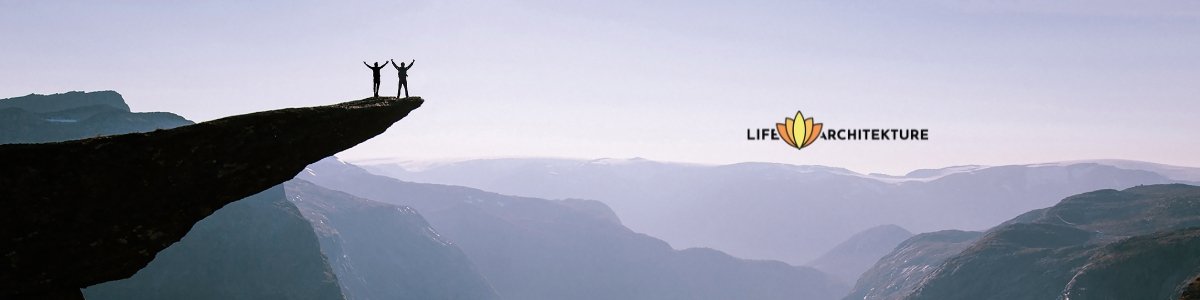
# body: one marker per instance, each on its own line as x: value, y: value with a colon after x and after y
x: 82, y: 212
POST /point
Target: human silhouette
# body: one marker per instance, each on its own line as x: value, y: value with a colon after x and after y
x: 402, y: 72
x: 375, y: 74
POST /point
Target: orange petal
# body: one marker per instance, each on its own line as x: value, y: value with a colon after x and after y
x: 787, y: 136
x: 816, y: 128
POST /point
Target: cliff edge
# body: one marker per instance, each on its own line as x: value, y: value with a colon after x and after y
x: 82, y: 212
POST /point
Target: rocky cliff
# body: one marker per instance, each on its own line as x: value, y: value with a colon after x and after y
x: 82, y: 212
x: 896, y: 274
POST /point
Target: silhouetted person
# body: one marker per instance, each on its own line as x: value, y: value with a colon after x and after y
x: 375, y: 74
x: 403, y: 74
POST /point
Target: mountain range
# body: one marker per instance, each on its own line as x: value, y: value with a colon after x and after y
x: 786, y: 212
x: 532, y: 248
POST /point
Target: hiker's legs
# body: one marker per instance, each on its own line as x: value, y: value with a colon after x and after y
x: 405, y: 85
x: 375, y: 88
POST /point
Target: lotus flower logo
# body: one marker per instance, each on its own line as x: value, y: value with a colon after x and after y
x: 799, y: 132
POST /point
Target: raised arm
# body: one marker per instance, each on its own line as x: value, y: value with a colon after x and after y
x: 384, y: 64
x: 394, y: 65
x: 411, y: 63
x: 366, y: 64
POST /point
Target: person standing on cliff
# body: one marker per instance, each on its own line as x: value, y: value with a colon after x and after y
x: 402, y: 72
x: 375, y: 74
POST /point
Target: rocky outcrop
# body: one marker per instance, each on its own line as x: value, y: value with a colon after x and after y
x: 82, y: 212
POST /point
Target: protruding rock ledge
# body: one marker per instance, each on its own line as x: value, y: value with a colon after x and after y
x: 82, y: 212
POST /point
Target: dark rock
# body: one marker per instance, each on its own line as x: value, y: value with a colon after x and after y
x: 82, y: 212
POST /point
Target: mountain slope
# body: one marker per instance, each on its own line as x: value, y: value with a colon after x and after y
x: 385, y: 251
x: 1154, y: 266
x: 896, y: 274
x: 256, y: 248
x: 1090, y: 238
x: 532, y: 248
x: 848, y: 260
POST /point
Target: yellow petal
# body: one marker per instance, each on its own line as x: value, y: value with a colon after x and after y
x: 800, y: 133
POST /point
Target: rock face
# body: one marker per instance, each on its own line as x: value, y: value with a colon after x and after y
x: 256, y: 248
x: 75, y: 115
x: 1107, y: 244
x: 896, y: 274
x: 83, y: 212
x: 1192, y: 291
x: 386, y: 251
x: 531, y: 248
x: 848, y: 260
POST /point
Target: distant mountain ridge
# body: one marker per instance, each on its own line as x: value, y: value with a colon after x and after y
x: 39, y: 103
x: 75, y: 115
x: 781, y: 211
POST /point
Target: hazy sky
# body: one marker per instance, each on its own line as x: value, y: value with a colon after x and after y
x: 996, y: 82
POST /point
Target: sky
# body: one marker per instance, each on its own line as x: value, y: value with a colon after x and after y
x: 995, y: 82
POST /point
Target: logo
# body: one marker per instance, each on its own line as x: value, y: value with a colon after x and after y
x: 800, y: 132
x: 799, y: 136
